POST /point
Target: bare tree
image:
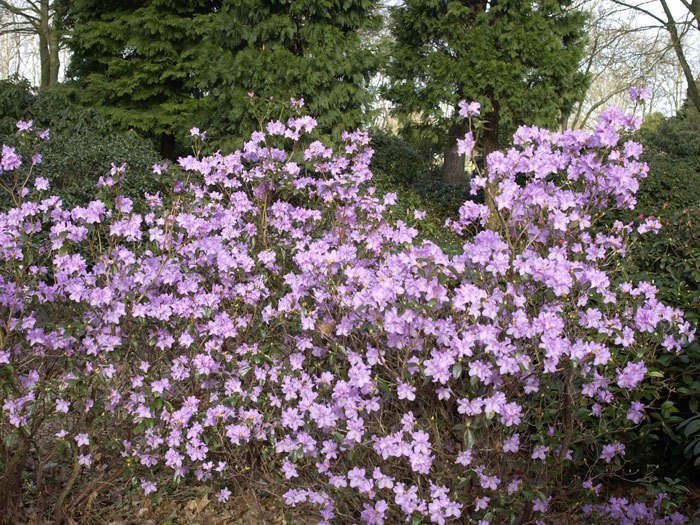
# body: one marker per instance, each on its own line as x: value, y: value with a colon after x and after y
x: 10, y: 46
x: 35, y: 18
x: 628, y: 50
x: 660, y: 14
x: 694, y: 7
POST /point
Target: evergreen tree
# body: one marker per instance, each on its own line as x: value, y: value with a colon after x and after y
x: 140, y: 62
x: 317, y: 50
x: 518, y: 58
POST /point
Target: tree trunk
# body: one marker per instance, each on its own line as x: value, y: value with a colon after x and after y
x: 44, y: 43
x: 693, y: 90
x: 454, y: 163
x: 490, y: 137
x: 54, y: 58
x: 45, y: 61
x: 11, y: 484
x: 489, y: 145
x: 167, y: 146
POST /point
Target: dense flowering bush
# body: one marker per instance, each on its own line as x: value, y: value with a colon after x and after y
x: 266, y: 317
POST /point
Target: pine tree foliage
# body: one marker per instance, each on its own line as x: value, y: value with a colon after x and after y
x: 518, y: 58
x: 161, y: 66
x: 140, y: 61
x: 318, y: 50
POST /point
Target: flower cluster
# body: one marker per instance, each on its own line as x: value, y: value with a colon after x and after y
x: 268, y: 312
x: 622, y: 510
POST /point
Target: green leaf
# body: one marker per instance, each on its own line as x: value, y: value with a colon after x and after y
x: 692, y: 427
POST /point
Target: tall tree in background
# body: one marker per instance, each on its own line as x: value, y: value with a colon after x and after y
x: 311, y: 49
x: 38, y: 18
x: 139, y: 62
x: 677, y: 23
x: 622, y: 53
x: 518, y: 58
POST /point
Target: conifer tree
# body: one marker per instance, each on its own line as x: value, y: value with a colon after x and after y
x: 518, y: 58
x: 318, y: 50
x: 140, y: 62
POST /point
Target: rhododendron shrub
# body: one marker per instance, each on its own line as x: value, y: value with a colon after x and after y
x: 269, y: 320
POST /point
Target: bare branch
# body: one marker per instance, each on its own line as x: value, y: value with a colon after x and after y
x: 637, y: 7
x: 693, y: 92
x: 35, y: 7
x: 11, y: 8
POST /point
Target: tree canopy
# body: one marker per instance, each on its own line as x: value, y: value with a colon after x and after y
x: 139, y: 62
x: 310, y: 49
x: 518, y: 59
x: 161, y: 66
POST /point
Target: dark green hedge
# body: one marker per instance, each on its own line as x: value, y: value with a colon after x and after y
x: 671, y: 260
x: 82, y: 145
x: 407, y: 168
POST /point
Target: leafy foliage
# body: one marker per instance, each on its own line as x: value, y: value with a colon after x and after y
x: 270, y: 314
x: 163, y: 66
x: 671, y: 260
x: 307, y: 49
x: 15, y: 99
x: 139, y: 63
x: 518, y: 59
x: 406, y: 169
x: 84, y: 144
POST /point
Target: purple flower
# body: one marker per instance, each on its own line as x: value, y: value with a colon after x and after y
x: 223, y: 495
x: 639, y: 94
x: 540, y: 452
x: 464, y: 458
x: 481, y: 503
x: 611, y: 450
x: 512, y: 444
x: 541, y: 504
x: 24, y: 126
x: 289, y: 470
x: 9, y: 160
x: 41, y: 184
x: 636, y: 412
x: 406, y: 391
x: 468, y: 109
x: 630, y: 376
x: 148, y: 487
x: 465, y: 145
x: 276, y: 128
